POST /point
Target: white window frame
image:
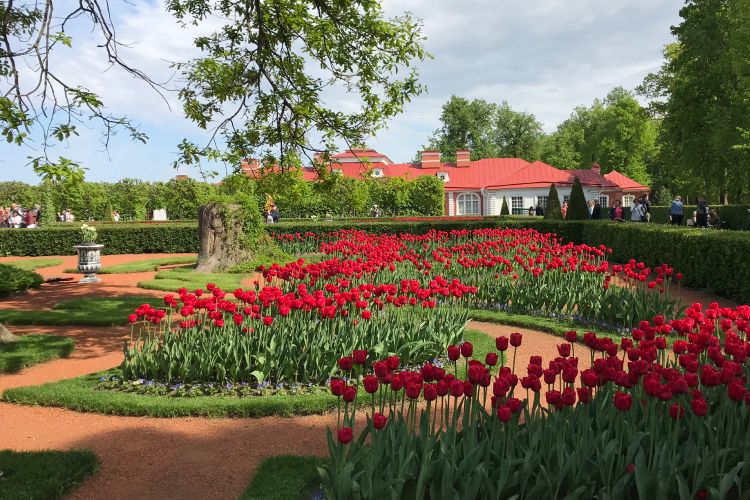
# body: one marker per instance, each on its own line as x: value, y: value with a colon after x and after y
x: 517, y: 205
x: 627, y: 200
x: 604, y: 200
x: 544, y: 200
x: 468, y: 204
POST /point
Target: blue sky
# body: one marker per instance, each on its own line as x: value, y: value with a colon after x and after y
x: 545, y: 57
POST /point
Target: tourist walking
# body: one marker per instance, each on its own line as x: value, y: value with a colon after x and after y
x: 676, y: 211
x: 564, y: 210
x: 646, y: 204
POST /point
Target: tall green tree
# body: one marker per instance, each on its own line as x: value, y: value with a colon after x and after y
x: 616, y: 132
x: 263, y: 80
x: 702, y: 95
x: 465, y: 125
x: 517, y: 134
x: 505, y: 210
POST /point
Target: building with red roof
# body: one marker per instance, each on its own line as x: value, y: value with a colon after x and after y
x: 478, y: 187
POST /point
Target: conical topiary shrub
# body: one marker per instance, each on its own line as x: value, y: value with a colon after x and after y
x: 577, y: 209
x: 553, y: 211
x: 504, y: 210
x: 109, y: 213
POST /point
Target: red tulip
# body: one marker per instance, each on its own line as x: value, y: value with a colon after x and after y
x: 490, y: 359
x: 454, y: 352
x: 379, y: 420
x: 350, y: 392
x: 515, y: 339
x: 360, y: 356
x: 501, y: 343
x: 623, y: 401
x: 370, y: 383
x: 346, y: 363
x: 467, y: 349
x: 345, y: 435
x: 504, y: 414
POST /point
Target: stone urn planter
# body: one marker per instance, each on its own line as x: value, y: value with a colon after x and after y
x: 89, y: 261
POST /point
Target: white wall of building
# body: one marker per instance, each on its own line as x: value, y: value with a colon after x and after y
x: 530, y: 197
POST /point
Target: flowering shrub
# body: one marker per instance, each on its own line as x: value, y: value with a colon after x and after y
x: 270, y: 335
x: 521, y: 269
x: 639, y: 421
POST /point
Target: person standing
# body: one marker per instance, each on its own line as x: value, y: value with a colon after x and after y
x: 676, y: 211
x: 616, y: 211
x: 646, y: 205
x: 539, y: 211
x: 701, y: 213
x: 275, y: 215
x: 29, y: 219
x: 564, y: 210
x: 637, y: 212
x: 596, y: 210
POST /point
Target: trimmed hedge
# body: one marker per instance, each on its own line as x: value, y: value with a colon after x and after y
x: 122, y: 238
x: 733, y: 216
x: 708, y: 258
x: 14, y: 279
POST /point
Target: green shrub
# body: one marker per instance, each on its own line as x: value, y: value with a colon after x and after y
x: 504, y: 210
x: 123, y: 238
x: 577, y: 209
x: 14, y: 279
x: 553, y: 211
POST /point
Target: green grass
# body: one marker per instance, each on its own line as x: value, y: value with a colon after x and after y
x: 81, y: 394
x: 285, y: 477
x: 33, y: 349
x: 170, y: 281
x: 43, y: 474
x: 97, y: 311
x: 142, y: 266
x: 32, y: 264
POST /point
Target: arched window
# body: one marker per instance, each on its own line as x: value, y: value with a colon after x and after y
x: 468, y: 204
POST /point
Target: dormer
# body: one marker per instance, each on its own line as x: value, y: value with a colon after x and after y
x: 443, y: 176
x: 377, y: 172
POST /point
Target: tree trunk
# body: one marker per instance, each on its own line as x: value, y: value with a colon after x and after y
x: 222, y: 239
x: 6, y: 336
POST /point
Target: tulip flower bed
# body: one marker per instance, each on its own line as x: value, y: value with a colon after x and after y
x: 519, y: 269
x: 266, y: 335
x: 641, y: 422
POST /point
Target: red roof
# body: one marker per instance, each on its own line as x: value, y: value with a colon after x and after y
x: 362, y: 155
x: 498, y: 173
x: 625, y: 183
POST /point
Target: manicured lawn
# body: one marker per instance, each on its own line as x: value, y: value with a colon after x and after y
x: 284, y: 477
x: 171, y: 280
x: 43, y: 474
x: 142, y: 266
x: 81, y: 312
x: 32, y: 264
x: 33, y: 349
x: 81, y: 394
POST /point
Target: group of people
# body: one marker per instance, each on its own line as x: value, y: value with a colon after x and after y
x: 272, y: 216
x: 703, y: 215
x: 65, y: 216
x: 15, y: 216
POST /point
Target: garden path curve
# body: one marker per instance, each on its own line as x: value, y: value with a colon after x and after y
x: 180, y: 457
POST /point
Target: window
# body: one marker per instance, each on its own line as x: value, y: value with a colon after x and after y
x: 443, y: 176
x: 377, y: 172
x: 516, y: 205
x: 566, y: 198
x: 468, y: 204
x: 627, y: 200
x: 604, y: 201
x: 543, y: 200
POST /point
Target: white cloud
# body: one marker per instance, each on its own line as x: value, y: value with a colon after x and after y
x: 545, y: 57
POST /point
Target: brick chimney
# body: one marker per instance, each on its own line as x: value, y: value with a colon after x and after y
x: 430, y: 159
x: 463, y: 158
x: 597, y: 168
x: 182, y: 177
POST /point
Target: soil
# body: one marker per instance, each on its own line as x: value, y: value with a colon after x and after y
x: 170, y: 458
x: 180, y: 457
